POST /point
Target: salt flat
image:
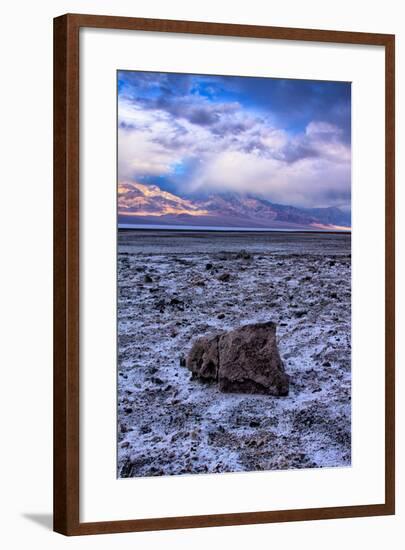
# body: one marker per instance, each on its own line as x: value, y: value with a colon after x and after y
x: 169, y: 293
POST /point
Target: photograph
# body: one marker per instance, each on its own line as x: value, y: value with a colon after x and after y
x: 233, y: 274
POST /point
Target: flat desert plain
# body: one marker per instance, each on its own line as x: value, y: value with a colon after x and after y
x: 175, y: 286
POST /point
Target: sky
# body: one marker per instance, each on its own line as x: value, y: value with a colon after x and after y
x: 193, y: 135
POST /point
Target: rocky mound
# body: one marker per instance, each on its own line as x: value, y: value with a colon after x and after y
x: 244, y: 360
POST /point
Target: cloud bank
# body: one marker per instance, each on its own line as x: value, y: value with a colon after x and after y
x: 287, y: 141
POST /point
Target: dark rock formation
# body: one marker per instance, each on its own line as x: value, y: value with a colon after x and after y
x: 203, y: 358
x: 224, y: 277
x: 244, y: 360
x: 244, y: 255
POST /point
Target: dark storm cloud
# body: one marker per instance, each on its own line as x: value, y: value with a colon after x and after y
x: 294, y: 103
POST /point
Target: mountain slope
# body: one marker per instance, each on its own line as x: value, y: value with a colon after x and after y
x: 148, y: 204
x: 136, y: 199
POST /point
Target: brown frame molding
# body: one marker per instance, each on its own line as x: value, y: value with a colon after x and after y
x: 66, y: 273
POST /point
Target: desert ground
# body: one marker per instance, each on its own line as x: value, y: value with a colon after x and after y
x: 175, y: 286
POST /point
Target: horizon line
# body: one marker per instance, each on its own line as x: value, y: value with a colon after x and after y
x: 221, y: 229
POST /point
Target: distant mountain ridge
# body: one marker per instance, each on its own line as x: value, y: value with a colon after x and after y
x: 148, y: 204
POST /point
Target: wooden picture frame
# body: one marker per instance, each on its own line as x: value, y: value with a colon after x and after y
x: 67, y: 284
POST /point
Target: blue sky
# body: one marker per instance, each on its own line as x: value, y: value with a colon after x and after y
x: 193, y: 135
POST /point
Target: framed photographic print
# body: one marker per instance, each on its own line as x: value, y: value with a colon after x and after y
x: 223, y: 274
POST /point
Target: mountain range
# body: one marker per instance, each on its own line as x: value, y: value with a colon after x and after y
x: 151, y: 205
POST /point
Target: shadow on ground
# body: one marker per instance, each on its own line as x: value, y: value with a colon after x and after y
x: 44, y: 520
